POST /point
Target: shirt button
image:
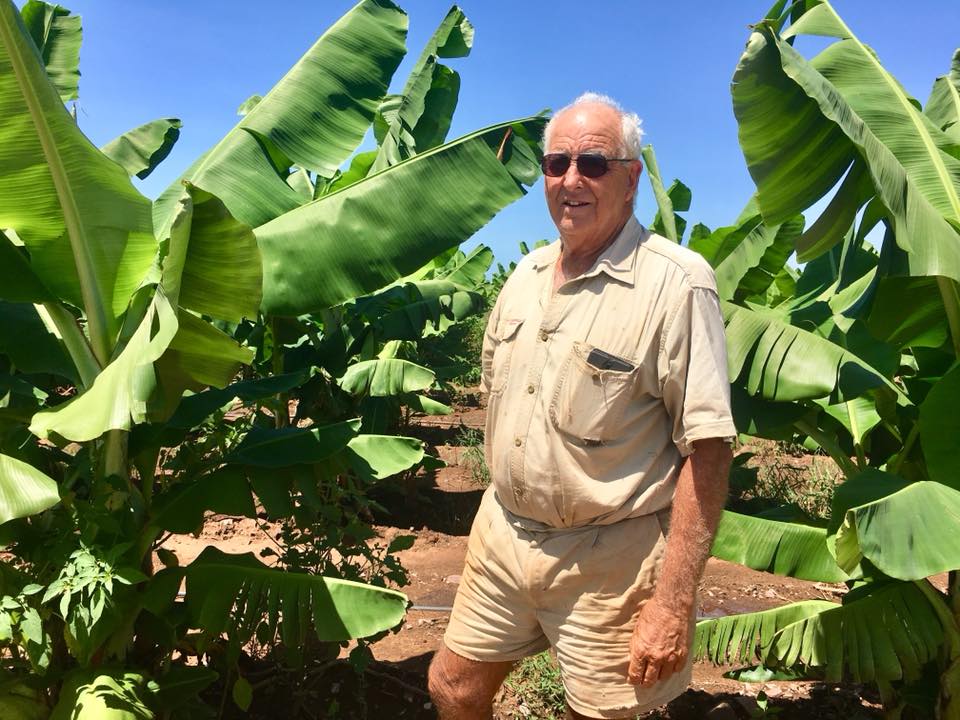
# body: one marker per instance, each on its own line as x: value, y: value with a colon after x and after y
x: 544, y: 335
x: 531, y: 389
x: 518, y: 442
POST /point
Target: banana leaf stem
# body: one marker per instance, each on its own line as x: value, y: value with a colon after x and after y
x: 282, y: 411
x: 73, y: 340
x: 829, y: 445
x: 912, y: 436
x: 115, y: 454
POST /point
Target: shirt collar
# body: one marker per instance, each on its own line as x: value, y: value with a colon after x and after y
x: 617, y: 260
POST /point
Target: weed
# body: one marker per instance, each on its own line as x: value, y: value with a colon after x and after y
x: 472, y: 458
x: 536, y: 684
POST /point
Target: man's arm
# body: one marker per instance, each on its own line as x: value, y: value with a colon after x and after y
x: 662, y: 633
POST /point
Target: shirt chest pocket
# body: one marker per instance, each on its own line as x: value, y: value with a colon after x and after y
x: 589, y: 401
x: 506, y: 341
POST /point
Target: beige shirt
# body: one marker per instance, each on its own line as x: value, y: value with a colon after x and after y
x: 570, y: 443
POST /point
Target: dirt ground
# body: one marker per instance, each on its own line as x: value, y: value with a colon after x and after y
x: 439, y: 513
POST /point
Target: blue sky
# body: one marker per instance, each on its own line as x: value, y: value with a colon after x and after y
x: 671, y: 62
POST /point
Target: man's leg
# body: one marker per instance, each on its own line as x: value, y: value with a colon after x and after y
x: 463, y: 689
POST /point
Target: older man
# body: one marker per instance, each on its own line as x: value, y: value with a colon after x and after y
x: 608, y: 421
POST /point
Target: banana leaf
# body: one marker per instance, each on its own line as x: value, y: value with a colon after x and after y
x: 939, y: 429
x: 899, y: 535
x: 58, y: 36
x: 314, y: 118
x: 788, y: 549
x: 236, y: 593
x: 24, y: 490
x: 943, y: 105
x: 386, y: 377
x: 88, y: 231
x: 358, y: 239
x: 140, y: 150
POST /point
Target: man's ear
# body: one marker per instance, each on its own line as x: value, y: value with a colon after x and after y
x: 636, y: 167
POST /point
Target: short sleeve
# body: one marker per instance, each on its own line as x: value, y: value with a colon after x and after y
x: 693, y: 370
x: 489, y: 347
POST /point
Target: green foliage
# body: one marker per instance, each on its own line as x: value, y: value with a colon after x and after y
x: 853, y: 355
x: 537, y: 685
x: 147, y: 377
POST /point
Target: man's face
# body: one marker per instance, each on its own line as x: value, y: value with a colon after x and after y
x: 588, y: 211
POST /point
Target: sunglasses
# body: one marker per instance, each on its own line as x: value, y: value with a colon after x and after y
x: 590, y: 165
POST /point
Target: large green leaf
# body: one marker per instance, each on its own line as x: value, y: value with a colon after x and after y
x: 908, y: 312
x: 885, y: 632
x: 742, y: 639
x: 57, y: 35
x: 314, y: 117
x: 750, y: 267
x: 782, y: 548
x: 940, y: 428
x: 24, y: 490
x: 386, y: 377
x: 910, y: 534
x: 104, y: 694
x: 87, y: 229
x: 118, y: 397
x: 418, y: 118
x: 204, y: 353
x: 238, y: 593
x: 358, y: 239
x: 467, y: 271
x: 376, y: 457
x: 783, y: 362
x: 943, y: 105
x: 908, y: 158
x: 140, y: 150
x: 293, y: 446
x: 213, y: 264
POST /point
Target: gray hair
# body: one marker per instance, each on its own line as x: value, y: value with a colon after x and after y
x: 630, y: 130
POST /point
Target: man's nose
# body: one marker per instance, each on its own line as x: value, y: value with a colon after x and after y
x: 572, y: 178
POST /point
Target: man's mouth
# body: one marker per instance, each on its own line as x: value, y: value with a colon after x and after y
x: 574, y: 203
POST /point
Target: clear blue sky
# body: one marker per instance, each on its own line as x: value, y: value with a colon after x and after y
x: 669, y: 61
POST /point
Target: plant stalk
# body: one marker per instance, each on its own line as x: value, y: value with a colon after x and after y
x: 282, y: 411
x: 894, y: 467
x: 55, y: 316
x: 848, y: 467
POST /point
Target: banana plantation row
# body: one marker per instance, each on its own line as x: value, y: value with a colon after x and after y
x: 249, y: 342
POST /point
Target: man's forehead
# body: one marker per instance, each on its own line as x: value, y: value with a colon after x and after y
x: 586, y: 125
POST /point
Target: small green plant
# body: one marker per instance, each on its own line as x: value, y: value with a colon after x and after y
x: 472, y: 458
x: 537, y: 685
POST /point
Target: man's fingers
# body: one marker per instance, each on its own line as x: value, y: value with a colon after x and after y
x: 638, y: 668
x: 651, y: 673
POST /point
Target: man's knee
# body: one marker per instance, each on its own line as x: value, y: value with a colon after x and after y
x: 466, y: 685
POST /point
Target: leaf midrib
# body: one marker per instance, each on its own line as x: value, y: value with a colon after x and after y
x: 911, y: 112
x: 76, y: 233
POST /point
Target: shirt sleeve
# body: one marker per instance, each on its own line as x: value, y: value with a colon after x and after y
x: 693, y: 370
x: 489, y: 347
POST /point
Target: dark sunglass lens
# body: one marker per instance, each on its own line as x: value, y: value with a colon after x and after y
x: 555, y: 164
x: 591, y: 166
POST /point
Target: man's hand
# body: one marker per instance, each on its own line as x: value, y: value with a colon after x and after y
x: 661, y: 637
x: 659, y: 644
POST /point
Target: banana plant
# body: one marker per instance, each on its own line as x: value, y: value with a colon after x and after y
x: 122, y: 311
x: 856, y: 353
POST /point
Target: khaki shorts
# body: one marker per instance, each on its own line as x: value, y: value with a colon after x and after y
x: 578, y: 590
